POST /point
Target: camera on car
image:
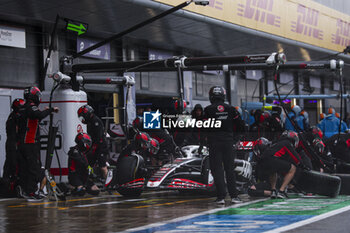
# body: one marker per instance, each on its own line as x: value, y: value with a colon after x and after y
x: 201, y: 2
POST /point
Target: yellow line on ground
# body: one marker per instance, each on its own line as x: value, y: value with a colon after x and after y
x: 171, y: 203
x: 140, y: 207
x: 151, y: 200
x: 41, y: 203
x: 17, y: 206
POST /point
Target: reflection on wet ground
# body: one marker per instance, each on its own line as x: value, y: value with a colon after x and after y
x: 105, y: 213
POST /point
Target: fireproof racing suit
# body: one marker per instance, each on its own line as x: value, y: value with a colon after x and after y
x: 99, y: 143
x: 166, y: 143
x: 11, y: 162
x: 311, y: 157
x: 220, y: 142
x: 29, y: 146
x: 279, y: 158
x: 78, y: 167
x: 339, y: 149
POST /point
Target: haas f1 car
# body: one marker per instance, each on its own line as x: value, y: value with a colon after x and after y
x: 131, y: 174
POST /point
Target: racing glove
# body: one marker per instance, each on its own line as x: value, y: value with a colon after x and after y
x: 90, y: 170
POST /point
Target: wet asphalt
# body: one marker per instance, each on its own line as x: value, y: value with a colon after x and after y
x: 114, y: 213
x: 105, y: 213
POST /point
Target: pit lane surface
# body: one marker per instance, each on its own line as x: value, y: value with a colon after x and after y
x: 170, y: 212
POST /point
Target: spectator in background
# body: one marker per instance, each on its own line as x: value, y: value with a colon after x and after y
x: 303, y: 120
x: 330, y: 125
x: 347, y: 119
x: 251, y: 117
x: 322, y: 116
x: 343, y: 123
x: 139, y: 112
x: 293, y: 116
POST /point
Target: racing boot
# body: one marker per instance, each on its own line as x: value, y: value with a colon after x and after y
x: 220, y: 201
x: 273, y: 194
x: 282, y: 195
x: 236, y: 200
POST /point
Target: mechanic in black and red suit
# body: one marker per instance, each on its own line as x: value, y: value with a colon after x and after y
x: 312, y: 150
x: 11, y: 165
x: 78, y: 166
x: 95, y: 128
x: 339, y: 146
x: 220, y: 142
x: 281, y: 158
x: 29, y: 146
x: 257, y: 129
x: 167, y: 145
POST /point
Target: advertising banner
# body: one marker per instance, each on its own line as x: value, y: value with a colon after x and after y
x: 300, y: 20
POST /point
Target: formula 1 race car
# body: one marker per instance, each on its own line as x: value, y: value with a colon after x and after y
x: 191, y: 173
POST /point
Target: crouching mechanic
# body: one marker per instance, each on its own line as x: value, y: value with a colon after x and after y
x: 220, y: 141
x: 281, y: 158
x: 95, y: 129
x: 261, y: 188
x: 78, y: 165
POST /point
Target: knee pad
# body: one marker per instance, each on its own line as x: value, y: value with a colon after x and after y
x: 255, y: 192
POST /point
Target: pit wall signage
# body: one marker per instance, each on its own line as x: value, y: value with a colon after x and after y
x: 301, y: 20
x: 12, y: 36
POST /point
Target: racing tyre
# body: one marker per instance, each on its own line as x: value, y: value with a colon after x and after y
x: 126, y: 171
x: 318, y: 183
x: 345, y: 183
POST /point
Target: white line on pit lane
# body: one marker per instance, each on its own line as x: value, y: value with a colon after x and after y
x: 309, y: 221
x: 192, y: 216
x: 109, y: 203
x: 10, y: 199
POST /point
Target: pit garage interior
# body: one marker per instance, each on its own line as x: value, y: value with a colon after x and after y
x: 183, y: 33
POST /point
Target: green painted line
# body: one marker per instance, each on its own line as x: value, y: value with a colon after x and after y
x: 293, y: 206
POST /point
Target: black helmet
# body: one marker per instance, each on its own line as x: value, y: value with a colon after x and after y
x: 85, y: 113
x: 292, y: 136
x: 198, y: 106
x: 32, y: 94
x: 84, y: 142
x: 260, y: 146
x: 154, y: 146
x: 17, y: 104
x: 217, y: 93
x: 142, y: 140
